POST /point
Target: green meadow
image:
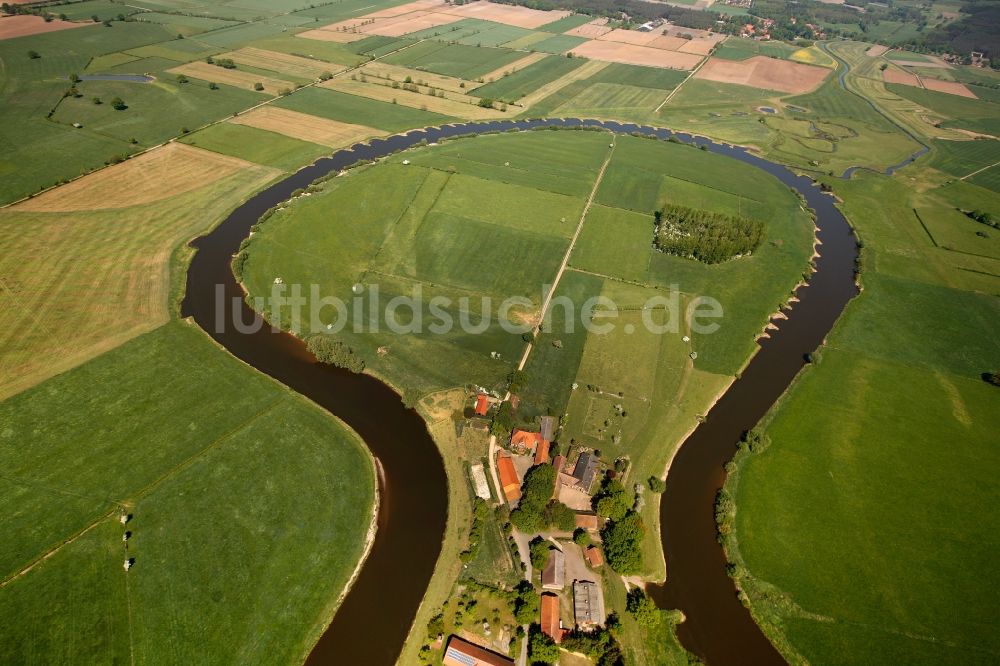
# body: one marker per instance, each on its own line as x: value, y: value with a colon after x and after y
x: 879, y: 470
x: 257, y: 145
x: 139, y: 431
x: 466, y: 218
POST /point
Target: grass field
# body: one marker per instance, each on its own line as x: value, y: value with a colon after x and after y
x: 359, y: 110
x: 138, y: 430
x: 458, y: 60
x: 85, y: 281
x: 897, y: 560
x: 522, y: 82
x: 257, y: 145
x: 970, y: 114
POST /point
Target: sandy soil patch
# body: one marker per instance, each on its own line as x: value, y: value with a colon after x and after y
x: 403, y: 25
x: 231, y: 77
x: 306, y: 127
x: 399, y: 73
x: 582, y: 72
x: 282, y: 62
x: 168, y: 171
x: 514, y: 66
x: 950, y: 87
x: 764, y: 72
x: 21, y: 25
x: 458, y: 106
x: 342, y: 37
x: 630, y: 37
x: 876, y: 50
x: 899, y: 76
x: 591, y: 30
x: 521, y: 17
x: 631, y: 54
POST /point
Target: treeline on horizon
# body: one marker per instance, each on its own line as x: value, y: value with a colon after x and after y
x: 979, y: 30
x: 709, y: 237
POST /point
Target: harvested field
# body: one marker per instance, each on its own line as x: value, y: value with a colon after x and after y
x: 631, y: 54
x: 306, y: 127
x: 231, y: 77
x: 20, y: 26
x: 514, y: 66
x: 876, y: 50
x: 578, y: 74
x: 919, y: 63
x: 339, y: 36
x: 698, y: 46
x: 630, y: 37
x: 407, y: 23
x: 950, y: 87
x: 282, y: 62
x: 417, y: 5
x: 668, y: 43
x: 459, y: 106
x: 165, y: 172
x: 899, y: 76
x: 399, y: 73
x: 591, y: 30
x: 85, y: 282
x: 764, y: 73
x: 522, y: 17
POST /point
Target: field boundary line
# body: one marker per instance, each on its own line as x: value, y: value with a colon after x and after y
x: 985, y: 168
x: 304, y: 86
x: 678, y: 87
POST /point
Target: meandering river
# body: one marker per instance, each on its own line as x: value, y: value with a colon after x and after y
x: 372, y: 622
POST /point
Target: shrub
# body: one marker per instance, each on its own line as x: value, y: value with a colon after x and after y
x: 334, y: 352
x: 656, y: 484
x: 581, y: 537
x: 541, y: 648
x: 258, y: 86
x: 34, y: 55
x: 486, y: 102
x: 118, y: 104
x: 539, y: 550
x: 640, y: 606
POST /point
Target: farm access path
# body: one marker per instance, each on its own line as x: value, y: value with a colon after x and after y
x: 519, y: 538
x: 541, y: 318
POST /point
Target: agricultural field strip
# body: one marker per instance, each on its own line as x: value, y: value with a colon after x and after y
x: 978, y: 171
x: 141, y: 492
x: 578, y: 74
x: 673, y: 92
x: 265, y: 102
x: 565, y: 261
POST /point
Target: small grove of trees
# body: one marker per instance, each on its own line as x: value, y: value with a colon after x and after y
x: 656, y: 484
x: 581, y: 537
x: 600, y: 646
x: 612, y: 501
x: 642, y: 607
x: 983, y: 217
x: 541, y: 648
x: 623, y: 543
x: 539, y: 550
x: 486, y: 102
x: 329, y: 350
x: 725, y: 512
x: 225, y: 63
x: 526, y: 603
x: 704, y: 235
x: 537, y: 511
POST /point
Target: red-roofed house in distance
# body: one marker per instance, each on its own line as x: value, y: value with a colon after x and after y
x: 523, y: 441
x: 508, y: 478
x: 550, y: 617
x: 464, y: 653
x: 542, y: 453
x: 482, y: 404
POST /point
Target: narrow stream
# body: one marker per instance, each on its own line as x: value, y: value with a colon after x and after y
x: 372, y: 623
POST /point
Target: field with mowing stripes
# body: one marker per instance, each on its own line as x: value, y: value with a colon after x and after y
x: 522, y: 82
x: 139, y: 431
x: 88, y: 266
